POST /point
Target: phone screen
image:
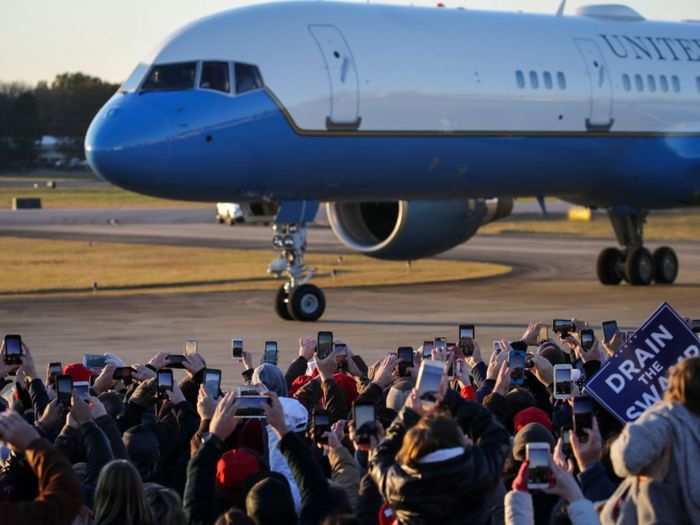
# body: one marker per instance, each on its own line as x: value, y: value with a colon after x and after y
x: 82, y: 389
x: 562, y: 380
x: 609, y: 330
x: 363, y: 414
x: 427, y: 349
x: 212, y: 382
x: 13, y: 345
x: 191, y: 347
x: 251, y: 406
x: 583, y: 415
x: 516, y: 363
x: 341, y: 350
x: 587, y: 339
x: 55, y: 369
x: 237, y: 347
x: 466, y: 331
x: 543, y: 335
x: 324, y: 344
x: 270, y: 355
x: 562, y: 325
x: 429, y: 379
x: 165, y: 380
x: 64, y: 385
x: 94, y: 361
x: 405, y: 354
x: 538, y: 466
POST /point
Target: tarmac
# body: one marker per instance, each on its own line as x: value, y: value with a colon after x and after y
x: 553, y: 277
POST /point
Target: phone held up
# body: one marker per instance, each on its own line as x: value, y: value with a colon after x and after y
x: 237, y: 348
x: 324, y: 344
x: 538, y: 469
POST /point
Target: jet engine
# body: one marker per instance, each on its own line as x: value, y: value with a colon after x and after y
x: 410, y: 230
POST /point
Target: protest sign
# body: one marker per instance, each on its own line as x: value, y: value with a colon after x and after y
x: 636, y: 376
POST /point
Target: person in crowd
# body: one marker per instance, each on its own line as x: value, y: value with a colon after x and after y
x: 120, y: 498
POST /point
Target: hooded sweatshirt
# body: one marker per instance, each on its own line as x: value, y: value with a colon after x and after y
x: 642, y: 447
x: 272, y: 377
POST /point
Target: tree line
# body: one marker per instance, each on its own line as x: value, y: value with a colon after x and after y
x: 62, y: 108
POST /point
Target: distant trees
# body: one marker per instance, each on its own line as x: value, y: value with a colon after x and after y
x: 63, y: 108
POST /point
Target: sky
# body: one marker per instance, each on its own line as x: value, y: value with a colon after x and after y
x: 41, y: 38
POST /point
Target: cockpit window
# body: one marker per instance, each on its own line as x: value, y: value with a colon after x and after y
x: 247, y: 77
x: 171, y: 77
x: 215, y: 76
x: 132, y: 83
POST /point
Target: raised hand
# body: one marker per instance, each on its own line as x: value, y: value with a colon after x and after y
x: 224, y: 422
x: 16, y: 431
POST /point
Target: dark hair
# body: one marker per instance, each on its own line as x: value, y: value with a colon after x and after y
x: 119, y: 496
x: 270, y: 502
x: 341, y: 519
x: 684, y: 384
x: 113, y: 403
x: 433, y: 432
x: 234, y: 517
x: 165, y: 505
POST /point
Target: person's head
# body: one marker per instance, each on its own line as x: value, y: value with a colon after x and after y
x: 431, y: 433
x: 397, y: 394
x: 341, y: 519
x: 270, y: 502
x: 165, y: 505
x: 113, y: 403
x: 271, y: 377
x: 143, y: 448
x: 119, y: 496
x: 684, y: 384
x: 552, y: 353
x: 234, y: 516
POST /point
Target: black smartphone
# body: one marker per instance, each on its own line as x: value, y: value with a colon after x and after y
x: 583, y: 416
x: 123, y: 373
x: 320, y: 424
x: 237, y: 348
x: 165, y: 382
x: 175, y: 361
x: 324, y: 344
x: 405, y: 360
x: 516, y: 363
x: 563, y: 327
x: 212, y: 382
x: 270, y: 353
x: 55, y: 370
x: 587, y: 339
x: 64, y: 389
x: 364, y: 417
x: 467, y: 334
x: 13, y: 350
x: 609, y: 330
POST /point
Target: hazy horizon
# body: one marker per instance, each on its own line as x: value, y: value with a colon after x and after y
x: 42, y: 38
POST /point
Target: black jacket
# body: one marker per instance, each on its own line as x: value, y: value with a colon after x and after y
x: 445, y: 492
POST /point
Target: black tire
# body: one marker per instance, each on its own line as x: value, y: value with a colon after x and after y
x: 665, y: 265
x: 281, y: 306
x: 639, y: 267
x: 609, y: 266
x: 306, y: 303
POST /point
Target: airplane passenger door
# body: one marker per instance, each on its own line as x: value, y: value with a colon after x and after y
x: 342, y: 77
x: 601, y: 113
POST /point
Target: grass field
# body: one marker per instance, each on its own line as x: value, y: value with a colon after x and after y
x: 71, y: 267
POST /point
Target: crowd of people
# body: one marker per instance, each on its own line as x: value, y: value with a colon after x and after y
x: 334, y: 441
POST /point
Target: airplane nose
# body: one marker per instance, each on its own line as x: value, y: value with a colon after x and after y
x: 128, y: 143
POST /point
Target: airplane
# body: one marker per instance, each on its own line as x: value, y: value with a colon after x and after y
x: 414, y: 125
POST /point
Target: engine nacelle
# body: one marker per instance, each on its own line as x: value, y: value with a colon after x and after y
x: 410, y: 230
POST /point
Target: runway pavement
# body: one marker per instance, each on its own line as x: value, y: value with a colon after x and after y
x: 553, y: 277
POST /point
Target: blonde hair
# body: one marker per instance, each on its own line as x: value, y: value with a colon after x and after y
x: 684, y: 384
x: 119, y: 496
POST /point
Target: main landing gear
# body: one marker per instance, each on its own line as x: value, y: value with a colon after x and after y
x: 297, y: 299
x: 635, y: 264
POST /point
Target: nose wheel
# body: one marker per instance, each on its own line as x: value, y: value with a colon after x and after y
x: 635, y: 264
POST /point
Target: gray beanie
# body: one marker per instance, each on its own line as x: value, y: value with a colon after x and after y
x: 272, y: 377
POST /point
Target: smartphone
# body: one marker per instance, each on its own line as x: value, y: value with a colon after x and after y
x: 82, y: 389
x: 538, y: 470
x: 55, y: 370
x: 237, y: 348
x: 543, y: 335
x: 498, y: 346
x: 563, y: 327
x: 566, y: 444
x: 427, y: 349
x: 64, y: 389
x: 516, y: 363
x: 563, y: 386
x: 13, y: 350
x: 467, y: 334
x: 270, y: 353
x: 341, y: 350
x: 695, y: 326
x: 324, y: 344
x: 405, y: 360
x: 212, y: 382
x: 587, y: 339
x: 363, y: 417
x: 321, y: 423
x: 583, y: 416
x: 165, y: 382
x: 191, y: 347
x: 123, y: 373
x: 609, y: 330
x: 252, y: 407
x: 429, y: 378
x: 175, y: 361
x: 94, y: 361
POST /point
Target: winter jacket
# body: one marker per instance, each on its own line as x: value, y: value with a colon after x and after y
x: 345, y: 472
x: 519, y: 510
x: 664, y: 445
x: 58, y: 500
x: 447, y: 486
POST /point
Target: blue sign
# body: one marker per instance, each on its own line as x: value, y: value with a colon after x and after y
x: 636, y: 376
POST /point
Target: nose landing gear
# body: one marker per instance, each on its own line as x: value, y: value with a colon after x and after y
x: 635, y: 264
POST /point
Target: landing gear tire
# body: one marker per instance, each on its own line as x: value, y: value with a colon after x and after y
x: 610, y: 266
x: 665, y: 265
x: 639, y: 267
x: 306, y: 303
x: 282, y: 304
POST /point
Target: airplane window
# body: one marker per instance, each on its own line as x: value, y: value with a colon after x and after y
x: 247, y: 78
x: 520, y: 79
x: 170, y: 77
x: 534, y: 80
x: 134, y: 79
x: 651, y: 82
x: 215, y: 76
x: 561, y: 80
x: 676, y: 83
x: 548, y: 80
x: 663, y: 82
x: 639, y: 83
x: 626, y: 82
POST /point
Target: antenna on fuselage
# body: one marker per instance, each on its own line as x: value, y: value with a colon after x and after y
x: 562, y: 6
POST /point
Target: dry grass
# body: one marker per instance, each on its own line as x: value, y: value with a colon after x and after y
x: 70, y: 267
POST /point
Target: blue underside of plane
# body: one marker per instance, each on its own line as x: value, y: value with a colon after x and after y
x: 203, y: 146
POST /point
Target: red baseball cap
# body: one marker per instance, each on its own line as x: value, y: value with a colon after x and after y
x: 532, y: 415
x: 235, y: 466
x: 348, y: 385
x: 78, y: 372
